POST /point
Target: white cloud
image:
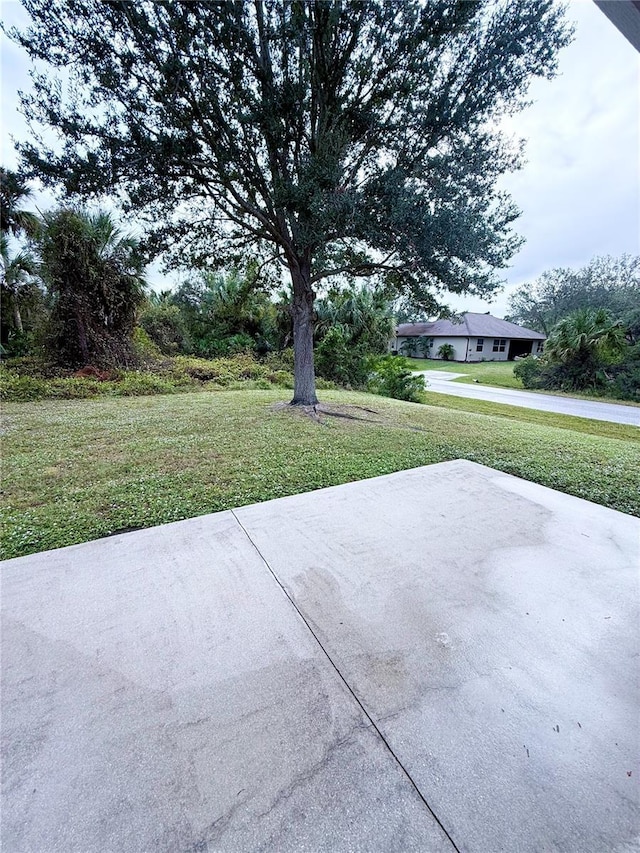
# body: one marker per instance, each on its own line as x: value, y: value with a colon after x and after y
x: 579, y: 189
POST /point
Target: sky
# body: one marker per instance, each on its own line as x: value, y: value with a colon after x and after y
x: 579, y: 190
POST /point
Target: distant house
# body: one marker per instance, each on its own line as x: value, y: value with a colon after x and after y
x: 477, y: 337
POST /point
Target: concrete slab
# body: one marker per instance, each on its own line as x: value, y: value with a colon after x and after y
x: 160, y: 693
x: 489, y: 627
x: 327, y: 672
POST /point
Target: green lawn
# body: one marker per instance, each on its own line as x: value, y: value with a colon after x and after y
x: 498, y: 373
x: 78, y: 470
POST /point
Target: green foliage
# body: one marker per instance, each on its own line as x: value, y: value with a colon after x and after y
x: 143, y: 347
x: 351, y: 325
x: 586, y: 351
x: 446, y: 352
x: 624, y: 378
x: 364, y: 314
x: 30, y: 379
x: 606, y: 282
x: 226, y: 314
x: 391, y: 376
x: 528, y: 371
x: 94, y: 275
x: 165, y: 326
x: 338, y: 360
x: 357, y: 139
x: 580, y: 346
x: 14, y: 191
x: 410, y: 347
x: 139, y: 384
x: 21, y: 299
x: 22, y: 388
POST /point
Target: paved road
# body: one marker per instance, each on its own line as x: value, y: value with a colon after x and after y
x: 442, y: 383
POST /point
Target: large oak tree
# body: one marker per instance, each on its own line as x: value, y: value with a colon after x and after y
x: 334, y: 137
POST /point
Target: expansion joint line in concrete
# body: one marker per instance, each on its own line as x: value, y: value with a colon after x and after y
x: 346, y: 684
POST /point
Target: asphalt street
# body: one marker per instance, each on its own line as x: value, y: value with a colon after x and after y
x: 442, y: 383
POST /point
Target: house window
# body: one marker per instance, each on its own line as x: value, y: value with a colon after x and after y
x: 480, y: 345
x: 539, y: 346
x: 499, y: 344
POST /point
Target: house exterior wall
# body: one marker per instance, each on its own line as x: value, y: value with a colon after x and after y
x: 466, y: 349
x: 459, y: 345
x: 487, y: 353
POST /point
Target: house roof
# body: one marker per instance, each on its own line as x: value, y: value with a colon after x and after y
x: 471, y: 326
x: 625, y: 15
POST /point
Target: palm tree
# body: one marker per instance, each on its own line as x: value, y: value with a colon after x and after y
x: 584, y: 343
x: 13, y: 192
x: 16, y: 275
x: 365, y: 314
x: 94, y: 273
x: 17, y: 269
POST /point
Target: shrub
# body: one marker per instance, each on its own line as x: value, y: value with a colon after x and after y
x: 33, y: 366
x: 280, y: 360
x: 72, y: 388
x: 446, y: 352
x: 224, y: 370
x: 626, y: 385
x: 391, y: 377
x: 281, y: 378
x: 339, y: 361
x: 165, y: 326
x: 528, y: 371
x: 20, y: 389
x: 134, y: 384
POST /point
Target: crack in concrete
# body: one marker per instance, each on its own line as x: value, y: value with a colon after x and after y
x: 351, y: 691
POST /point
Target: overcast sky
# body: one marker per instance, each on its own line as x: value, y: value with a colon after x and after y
x: 579, y: 191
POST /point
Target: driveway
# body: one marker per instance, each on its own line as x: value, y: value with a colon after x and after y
x: 442, y: 383
x: 442, y: 659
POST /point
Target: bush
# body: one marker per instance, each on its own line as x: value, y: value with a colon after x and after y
x: 134, y: 384
x: 33, y: 366
x: 339, y: 361
x: 528, y: 371
x: 280, y: 360
x: 626, y: 385
x: 72, y: 388
x: 281, y: 378
x: 446, y: 352
x: 222, y: 370
x: 391, y: 377
x: 21, y: 389
x: 165, y: 326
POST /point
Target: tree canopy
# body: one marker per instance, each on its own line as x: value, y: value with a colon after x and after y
x: 335, y: 138
x: 606, y: 282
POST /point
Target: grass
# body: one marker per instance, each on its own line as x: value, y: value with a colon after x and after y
x: 497, y: 373
x: 76, y: 470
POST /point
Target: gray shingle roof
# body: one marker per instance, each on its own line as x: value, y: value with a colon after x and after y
x: 472, y: 326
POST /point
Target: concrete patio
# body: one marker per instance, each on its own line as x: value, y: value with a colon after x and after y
x: 436, y: 660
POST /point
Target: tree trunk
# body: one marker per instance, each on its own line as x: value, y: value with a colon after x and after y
x: 17, y: 318
x: 82, y: 340
x: 304, y: 392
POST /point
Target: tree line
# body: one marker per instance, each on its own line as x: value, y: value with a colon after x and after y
x: 592, y: 319
x: 74, y: 291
